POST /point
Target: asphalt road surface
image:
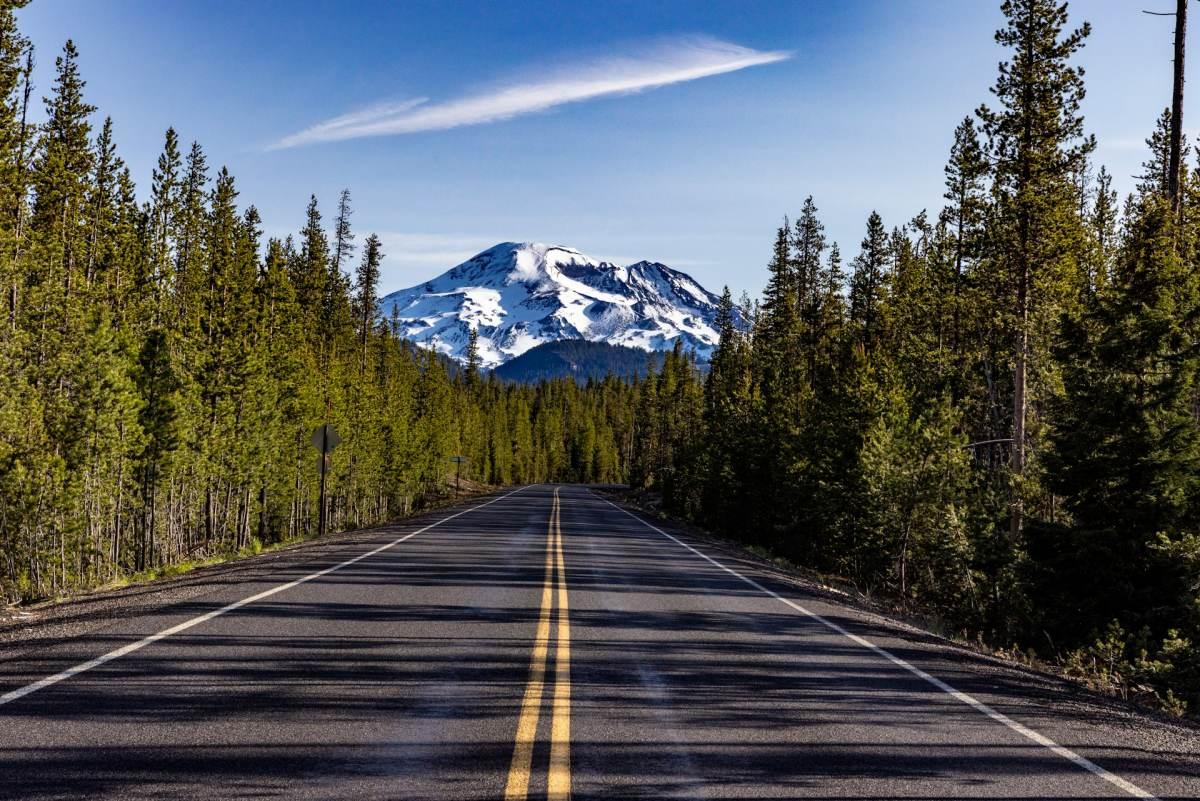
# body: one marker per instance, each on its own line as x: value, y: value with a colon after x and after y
x: 542, y: 643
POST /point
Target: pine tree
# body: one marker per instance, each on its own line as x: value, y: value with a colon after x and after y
x: 833, y: 304
x: 366, y: 293
x: 1103, y: 219
x: 189, y: 271
x: 64, y: 162
x: 125, y: 258
x: 16, y: 61
x: 1155, y: 178
x: 779, y: 321
x: 311, y: 267
x: 100, y: 436
x: 157, y: 385
x: 102, y: 202
x: 472, y: 361
x: 1039, y: 144
x: 808, y: 247
x: 223, y: 326
x: 915, y: 311
x: 1126, y: 442
x: 911, y: 534
x: 966, y: 194
x: 60, y: 180
x: 164, y: 207
x: 24, y: 152
x: 343, y: 235
x: 869, y: 283
x: 780, y: 387
x: 726, y: 404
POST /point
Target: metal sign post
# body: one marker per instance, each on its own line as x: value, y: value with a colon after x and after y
x: 324, y: 439
x: 458, y: 460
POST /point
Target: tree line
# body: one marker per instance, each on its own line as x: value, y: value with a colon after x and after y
x: 164, y: 367
x: 991, y: 412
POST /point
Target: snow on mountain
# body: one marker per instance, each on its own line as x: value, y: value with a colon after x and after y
x: 520, y: 295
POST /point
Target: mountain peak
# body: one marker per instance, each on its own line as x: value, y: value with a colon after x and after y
x: 518, y: 295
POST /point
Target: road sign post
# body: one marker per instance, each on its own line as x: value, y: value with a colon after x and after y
x: 324, y: 439
x: 458, y: 460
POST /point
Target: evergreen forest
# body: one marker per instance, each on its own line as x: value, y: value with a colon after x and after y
x: 988, y: 414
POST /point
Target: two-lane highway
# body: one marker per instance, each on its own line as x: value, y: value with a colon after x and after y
x: 545, y: 643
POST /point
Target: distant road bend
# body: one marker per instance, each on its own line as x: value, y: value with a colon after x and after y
x: 542, y: 643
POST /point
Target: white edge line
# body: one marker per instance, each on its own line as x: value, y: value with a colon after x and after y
x: 1041, y: 739
x: 124, y: 650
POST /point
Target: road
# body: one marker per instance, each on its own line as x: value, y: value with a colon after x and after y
x: 542, y: 643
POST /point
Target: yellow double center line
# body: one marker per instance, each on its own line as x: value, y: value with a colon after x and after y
x: 558, y: 779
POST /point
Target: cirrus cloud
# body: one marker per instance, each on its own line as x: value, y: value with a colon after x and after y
x: 659, y: 64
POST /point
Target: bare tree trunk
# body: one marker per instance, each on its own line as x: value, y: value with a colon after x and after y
x: 225, y: 512
x: 1173, y: 178
x: 208, y: 515
x: 262, y: 514
x: 1020, y: 377
x: 14, y: 290
x: 1021, y: 367
x: 116, y: 536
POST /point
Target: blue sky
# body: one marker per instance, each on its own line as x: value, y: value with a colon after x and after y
x: 696, y: 173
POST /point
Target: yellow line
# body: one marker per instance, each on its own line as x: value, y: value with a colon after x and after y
x: 518, y: 772
x: 558, y: 784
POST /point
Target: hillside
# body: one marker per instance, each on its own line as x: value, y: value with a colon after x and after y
x: 578, y: 359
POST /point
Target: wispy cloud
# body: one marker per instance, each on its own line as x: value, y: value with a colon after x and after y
x: 661, y: 63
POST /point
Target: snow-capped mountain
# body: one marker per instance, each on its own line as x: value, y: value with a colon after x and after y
x: 520, y: 295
